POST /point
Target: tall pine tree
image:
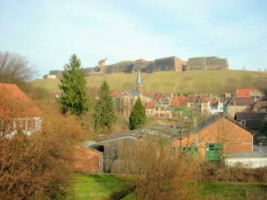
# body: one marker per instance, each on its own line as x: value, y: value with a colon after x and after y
x: 73, y: 98
x: 104, y: 114
x: 137, y: 117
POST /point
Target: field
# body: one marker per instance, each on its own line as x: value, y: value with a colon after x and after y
x: 174, y: 82
x: 100, y: 187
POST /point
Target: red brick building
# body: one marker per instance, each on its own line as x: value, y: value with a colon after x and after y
x: 211, y: 141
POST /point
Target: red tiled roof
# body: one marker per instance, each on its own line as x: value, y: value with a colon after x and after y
x: 115, y: 93
x: 148, y: 94
x: 159, y: 96
x: 178, y: 100
x: 14, y: 103
x: 150, y: 105
x: 245, y: 92
x: 213, y: 100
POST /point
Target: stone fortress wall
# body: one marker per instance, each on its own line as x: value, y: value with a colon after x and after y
x: 162, y: 64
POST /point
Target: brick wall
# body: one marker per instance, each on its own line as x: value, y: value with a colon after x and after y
x: 233, y: 137
x: 87, y: 160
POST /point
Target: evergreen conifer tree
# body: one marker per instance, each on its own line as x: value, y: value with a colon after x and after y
x: 137, y: 117
x: 73, y: 98
x: 104, y: 114
x: 263, y: 127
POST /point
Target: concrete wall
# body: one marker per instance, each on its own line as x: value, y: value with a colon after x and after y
x: 246, y: 162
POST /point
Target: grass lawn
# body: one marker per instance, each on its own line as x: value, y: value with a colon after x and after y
x: 100, y: 187
x: 229, y: 191
x: 97, y: 187
x: 236, y: 191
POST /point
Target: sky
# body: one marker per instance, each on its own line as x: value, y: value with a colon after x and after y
x: 48, y: 32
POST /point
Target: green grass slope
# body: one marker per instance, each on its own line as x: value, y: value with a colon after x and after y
x: 215, y: 82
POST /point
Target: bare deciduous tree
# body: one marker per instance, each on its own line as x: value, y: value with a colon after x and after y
x: 160, y: 173
x: 37, y: 166
x: 15, y: 68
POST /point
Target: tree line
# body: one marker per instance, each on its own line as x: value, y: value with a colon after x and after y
x: 73, y: 100
x: 38, y: 166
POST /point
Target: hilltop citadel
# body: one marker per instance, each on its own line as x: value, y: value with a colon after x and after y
x: 162, y: 64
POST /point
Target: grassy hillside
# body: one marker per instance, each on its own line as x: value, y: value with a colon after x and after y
x: 175, y: 82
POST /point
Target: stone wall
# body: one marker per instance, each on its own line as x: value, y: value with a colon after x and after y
x: 162, y: 64
x: 207, y: 63
x: 168, y: 64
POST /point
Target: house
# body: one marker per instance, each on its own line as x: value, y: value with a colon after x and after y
x: 211, y: 140
x: 150, y: 108
x: 50, y: 76
x: 216, y: 105
x: 178, y: 101
x: 253, y: 93
x: 17, y: 111
x: 194, y: 102
x: 159, y: 106
x: 162, y: 111
x: 250, y: 120
x: 260, y: 105
x: 239, y: 104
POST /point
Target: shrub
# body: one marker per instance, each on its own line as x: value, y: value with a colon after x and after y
x: 37, y: 166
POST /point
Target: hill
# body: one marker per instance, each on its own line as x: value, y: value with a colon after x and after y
x: 214, y: 82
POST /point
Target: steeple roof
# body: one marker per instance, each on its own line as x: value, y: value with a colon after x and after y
x: 138, y: 78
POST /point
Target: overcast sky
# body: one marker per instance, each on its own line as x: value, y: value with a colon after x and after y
x: 47, y: 32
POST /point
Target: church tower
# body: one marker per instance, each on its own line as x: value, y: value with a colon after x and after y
x: 138, y: 83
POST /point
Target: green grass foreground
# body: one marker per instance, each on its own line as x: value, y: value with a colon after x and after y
x: 97, y: 187
x: 233, y: 191
x: 101, y: 187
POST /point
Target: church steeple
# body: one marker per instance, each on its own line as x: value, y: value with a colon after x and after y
x: 138, y: 83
